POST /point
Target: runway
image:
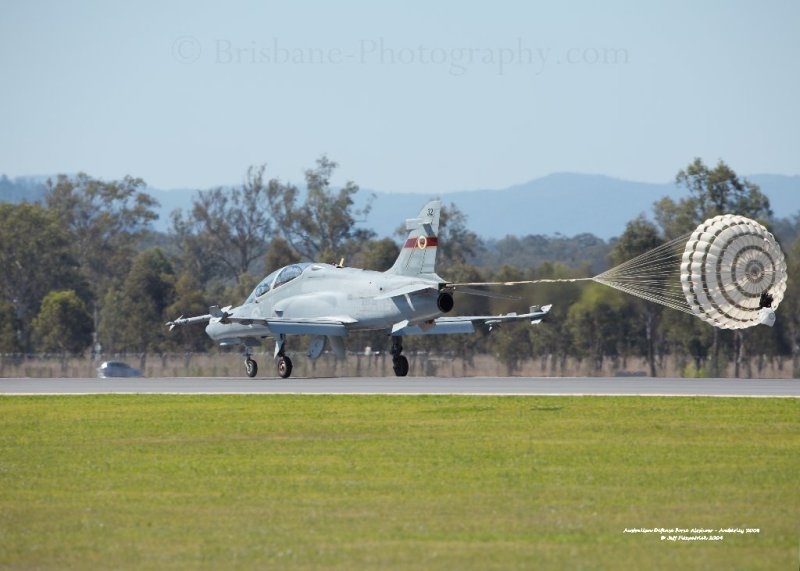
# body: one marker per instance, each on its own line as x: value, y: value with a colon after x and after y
x: 556, y: 386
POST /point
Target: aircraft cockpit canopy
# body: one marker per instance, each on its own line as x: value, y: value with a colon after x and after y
x: 277, y: 279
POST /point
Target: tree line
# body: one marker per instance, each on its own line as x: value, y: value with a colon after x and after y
x: 83, y: 271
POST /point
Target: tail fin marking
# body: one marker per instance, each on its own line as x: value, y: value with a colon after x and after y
x: 418, y: 254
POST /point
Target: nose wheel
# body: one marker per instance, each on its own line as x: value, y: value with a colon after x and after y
x: 399, y: 361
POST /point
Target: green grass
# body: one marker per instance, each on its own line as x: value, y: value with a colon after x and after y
x: 355, y: 482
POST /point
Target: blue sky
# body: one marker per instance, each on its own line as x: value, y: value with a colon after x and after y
x: 412, y: 96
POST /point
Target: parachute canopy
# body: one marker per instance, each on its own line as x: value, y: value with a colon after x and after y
x: 732, y: 269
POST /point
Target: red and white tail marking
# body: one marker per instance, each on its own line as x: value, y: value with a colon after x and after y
x: 418, y: 255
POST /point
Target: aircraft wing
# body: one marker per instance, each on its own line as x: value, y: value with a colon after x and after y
x: 331, y: 326
x: 467, y: 323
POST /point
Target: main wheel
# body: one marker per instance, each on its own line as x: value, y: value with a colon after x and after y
x: 400, y: 365
x: 250, y: 367
x: 284, y: 367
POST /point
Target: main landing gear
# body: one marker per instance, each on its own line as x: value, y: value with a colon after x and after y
x: 250, y: 366
x: 399, y: 361
x: 284, y: 367
x: 283, y: 362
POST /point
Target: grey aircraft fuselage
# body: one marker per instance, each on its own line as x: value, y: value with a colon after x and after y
x: 350, y: 295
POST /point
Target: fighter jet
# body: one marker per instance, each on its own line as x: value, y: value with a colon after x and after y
x: 327, y: 301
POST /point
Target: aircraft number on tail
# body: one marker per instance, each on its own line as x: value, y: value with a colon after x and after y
x: 430, y: 211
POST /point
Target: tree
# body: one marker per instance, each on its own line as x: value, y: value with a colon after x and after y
x: 787, y: 230
x: 641, y: 236
x: 227, y: 229
x: 684, y: 335
x: 235, y: 293
x: 675, y: 218
x: 196, y: 254
x: 280, y: 254
x: 711, y: 192
x: 10, y: 329
x: 790, y: 307
x: 552, y: 340
x: 600, y: 324
x: 378, y: 255
x: 509, y: 342
x: 111, y: 330
x: 458, y: 245
x: 36, y: 257
x: 105, y: 221
x: 323, y: 226
x: 189, y: 300
x: 63, y: 324
x: 720, y: 191
x: 135, y: 320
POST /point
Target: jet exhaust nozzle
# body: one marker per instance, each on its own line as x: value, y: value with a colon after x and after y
x: 445, y: 302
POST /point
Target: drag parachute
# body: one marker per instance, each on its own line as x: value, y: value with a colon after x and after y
x: 729, y: 272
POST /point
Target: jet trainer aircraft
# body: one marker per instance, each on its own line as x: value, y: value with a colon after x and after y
x: 327, y: 301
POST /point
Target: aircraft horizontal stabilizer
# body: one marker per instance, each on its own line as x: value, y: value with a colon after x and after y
x: 467, y: 323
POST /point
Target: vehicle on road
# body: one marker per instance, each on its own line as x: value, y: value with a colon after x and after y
x: 110, y: 369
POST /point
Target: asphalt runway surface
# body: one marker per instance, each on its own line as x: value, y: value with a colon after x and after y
x: 560, y: 386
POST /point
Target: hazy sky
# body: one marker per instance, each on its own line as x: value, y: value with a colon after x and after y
x: 412, y: 96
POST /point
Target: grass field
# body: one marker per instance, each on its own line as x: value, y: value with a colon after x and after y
x: 355, y: 482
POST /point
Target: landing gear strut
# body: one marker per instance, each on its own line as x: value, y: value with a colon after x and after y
x: 399, y: 362
x: 283, y: 362
x: 250, y: 366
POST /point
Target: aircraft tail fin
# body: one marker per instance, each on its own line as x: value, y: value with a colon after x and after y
x: 418, y: 252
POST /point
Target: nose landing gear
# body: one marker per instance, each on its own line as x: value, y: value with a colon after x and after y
x: 250, y: 366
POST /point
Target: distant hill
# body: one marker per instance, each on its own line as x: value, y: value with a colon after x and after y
x: 567, y: 204
x: 22, y: 188
x: 564, y: 203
